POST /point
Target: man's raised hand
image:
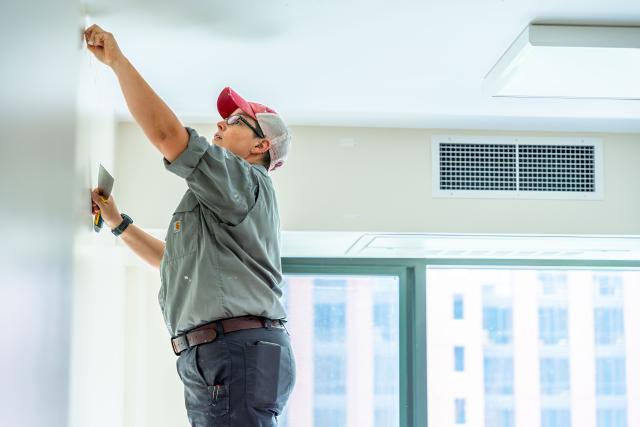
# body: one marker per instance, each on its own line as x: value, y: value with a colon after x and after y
x: 103, y: 45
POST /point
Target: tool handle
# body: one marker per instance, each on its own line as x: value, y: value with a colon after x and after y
x: 97, y: 222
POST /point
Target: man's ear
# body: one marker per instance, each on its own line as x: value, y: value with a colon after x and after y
x: 262, y: 147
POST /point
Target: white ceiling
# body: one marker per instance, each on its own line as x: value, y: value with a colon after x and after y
x: 356, y: 63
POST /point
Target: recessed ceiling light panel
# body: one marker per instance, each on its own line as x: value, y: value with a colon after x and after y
x: 557, y: 61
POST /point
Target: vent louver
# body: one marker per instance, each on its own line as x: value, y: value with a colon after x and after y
x: 517, y: 167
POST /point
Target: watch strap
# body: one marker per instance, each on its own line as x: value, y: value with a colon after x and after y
x: 126, y: 220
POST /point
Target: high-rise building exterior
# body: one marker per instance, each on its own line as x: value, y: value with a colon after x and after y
x: 541, y: 348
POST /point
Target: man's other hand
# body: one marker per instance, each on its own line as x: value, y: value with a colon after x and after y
x: 108, y: 209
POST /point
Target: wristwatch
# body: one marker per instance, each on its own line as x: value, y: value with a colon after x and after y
x: 126, y: 220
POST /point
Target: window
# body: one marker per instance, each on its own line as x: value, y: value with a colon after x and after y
x: 519, y: 310
x: 384, y: 318
x: 554, y: 376
x: 609, y: 325
x: 460, y: 411
x: 553, y: 325
x: 345, y: 335
x: 329, y: 417
x: 330, y: 374
x: 610, y: 376
x: 458, y: 307
x: 608, y: 285
x: 458, y: 356
x: 329, y: 321
x: 555, y: 418
x: 383, y: 418
x: 516, y: 332
x: 499, y: 417
x: 498, y: 375
x: 612, y: 417
x: 553, y: 282
x: 386, y: 374
x: 497, y: 324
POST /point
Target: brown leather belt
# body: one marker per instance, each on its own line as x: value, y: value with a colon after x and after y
x: 208, y: 332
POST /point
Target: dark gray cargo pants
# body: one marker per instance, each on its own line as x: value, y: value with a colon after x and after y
x: 242, y: 379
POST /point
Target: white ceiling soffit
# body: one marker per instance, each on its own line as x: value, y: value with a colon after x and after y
x: 375, y: 63
x: 558, y: 61
x: 468, y: 246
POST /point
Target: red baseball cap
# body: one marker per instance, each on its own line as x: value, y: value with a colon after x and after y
x: 229, y: 101
x: 269, y: 120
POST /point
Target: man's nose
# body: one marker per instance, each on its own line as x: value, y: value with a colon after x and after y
x: 222, y: 125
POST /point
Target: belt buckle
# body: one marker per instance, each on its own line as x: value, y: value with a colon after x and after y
x: 179, y: 340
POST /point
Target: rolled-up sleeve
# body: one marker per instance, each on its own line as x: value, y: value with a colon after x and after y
x: 220, y: 180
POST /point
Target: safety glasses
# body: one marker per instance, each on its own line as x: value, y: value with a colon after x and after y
x: 237, y: 118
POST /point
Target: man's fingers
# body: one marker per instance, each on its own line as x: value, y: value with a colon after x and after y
x: 94, y: 40
x: 95, y: 36
x: 96, y: 197
x: 93, y: 28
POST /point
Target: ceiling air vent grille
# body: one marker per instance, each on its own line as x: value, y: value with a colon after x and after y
x: 507, y: 167
x: 477, y: 167
x: 557, y: 168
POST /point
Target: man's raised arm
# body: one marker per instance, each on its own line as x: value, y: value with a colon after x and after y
x: 159, y: 123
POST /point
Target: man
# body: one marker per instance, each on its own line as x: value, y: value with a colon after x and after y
x: 220, y: 263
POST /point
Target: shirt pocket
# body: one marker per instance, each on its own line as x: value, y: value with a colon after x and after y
x: 183, y: 233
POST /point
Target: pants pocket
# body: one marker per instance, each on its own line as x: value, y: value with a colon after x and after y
x: 219, y: 395
x: 264, y: 376
x: 210, y: 367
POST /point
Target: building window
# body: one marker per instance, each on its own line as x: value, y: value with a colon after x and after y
x: 608, y: 285
x: 498, y: 375
x: 496, y: 322
x: 554, y: 376
x: 609, y: 325
x: 329, y: 321
x: 610, y: 376
x: 458, y: 357
x: 385, y: 378
x: 329, y: 374
x: 460, y: 411
x: 553, y: 325
x: 499, y: 417
x: 458, y: 307
x: 553, y: 283
x: 612, y: 417
x: 330, y: 417
x: 383, y: 320
x: 555, y: 418
x: 382, y: 418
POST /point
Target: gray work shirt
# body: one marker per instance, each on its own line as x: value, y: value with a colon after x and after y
x: 222, y: 251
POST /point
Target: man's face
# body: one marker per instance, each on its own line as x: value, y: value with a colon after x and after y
x: 237, y: 138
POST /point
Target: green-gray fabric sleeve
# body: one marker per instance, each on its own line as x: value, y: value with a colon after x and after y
x: 220, y: 180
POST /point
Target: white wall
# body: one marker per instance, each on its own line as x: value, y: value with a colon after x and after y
x: 369, y: 179
x: 38, y: 56
x: 98, y: 328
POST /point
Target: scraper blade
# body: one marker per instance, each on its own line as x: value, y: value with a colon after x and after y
x: 105, y: 185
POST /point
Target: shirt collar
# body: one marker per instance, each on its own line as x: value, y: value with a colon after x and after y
x: 262, y: 169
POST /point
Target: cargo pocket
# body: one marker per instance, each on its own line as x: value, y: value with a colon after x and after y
x: 267, y: 377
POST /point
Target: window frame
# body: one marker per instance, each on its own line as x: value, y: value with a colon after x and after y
x: 411, y: 273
